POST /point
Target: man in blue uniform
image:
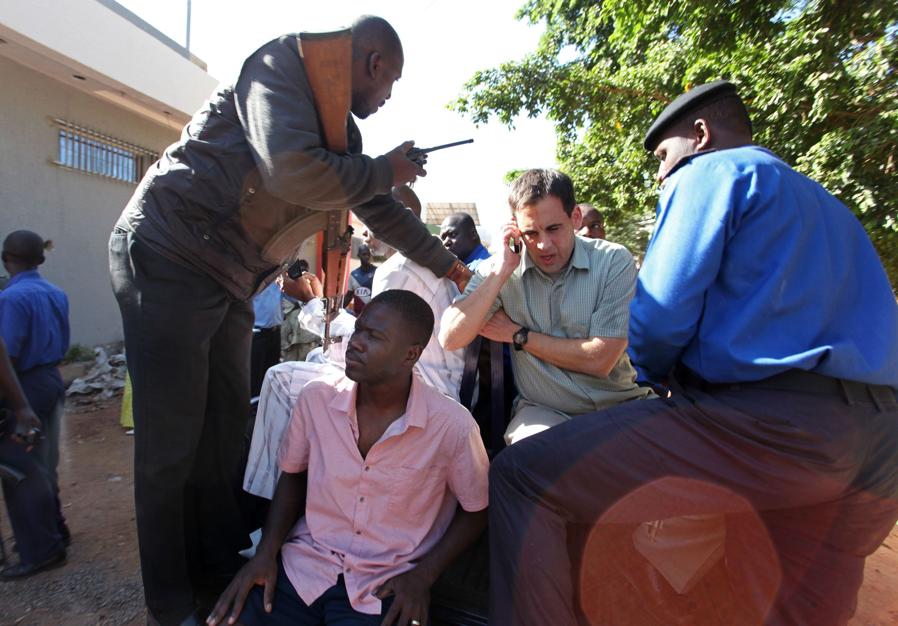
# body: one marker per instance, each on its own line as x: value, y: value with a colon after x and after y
x: 783, y: 413
x: 460, y: 236
x: 34, y: 324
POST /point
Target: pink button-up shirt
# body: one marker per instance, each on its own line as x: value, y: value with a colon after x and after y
x: 370, y: 519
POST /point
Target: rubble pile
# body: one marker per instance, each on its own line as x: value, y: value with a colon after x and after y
x: 103, y: 381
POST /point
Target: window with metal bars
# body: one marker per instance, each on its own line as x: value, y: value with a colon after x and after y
x: 94, y: 153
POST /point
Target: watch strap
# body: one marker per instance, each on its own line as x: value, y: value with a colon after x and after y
x: 519, y: 339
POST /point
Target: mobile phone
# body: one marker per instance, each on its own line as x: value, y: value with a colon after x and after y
x: 515, y: 245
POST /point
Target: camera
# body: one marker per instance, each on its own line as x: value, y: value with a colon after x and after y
x: 297, y: 268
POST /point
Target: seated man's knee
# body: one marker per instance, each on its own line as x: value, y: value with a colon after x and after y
x: 503, y: 468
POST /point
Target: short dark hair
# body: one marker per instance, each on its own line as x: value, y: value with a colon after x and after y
x: 414, y: 311
x: 26, y: 246
x: 534, y: 185
x: 729, y: 112
x: 370, y: 33
x: 463, y: 219
x: 586, y: 208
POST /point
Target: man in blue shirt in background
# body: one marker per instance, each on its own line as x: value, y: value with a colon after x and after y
x: 782, y: 414
x: 459, y: 234
x: 266, y: 347
x: 34, y: 323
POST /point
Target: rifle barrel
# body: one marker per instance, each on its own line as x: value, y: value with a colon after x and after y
x: 447, y: 145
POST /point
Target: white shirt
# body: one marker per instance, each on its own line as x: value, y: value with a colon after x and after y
x: 441, y: 369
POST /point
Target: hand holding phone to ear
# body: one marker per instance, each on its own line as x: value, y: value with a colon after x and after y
x: 512, y: 247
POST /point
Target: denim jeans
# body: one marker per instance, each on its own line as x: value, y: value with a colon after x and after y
x: 331, y: 609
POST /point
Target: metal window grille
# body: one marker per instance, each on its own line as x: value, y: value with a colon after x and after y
x: 92, y: 152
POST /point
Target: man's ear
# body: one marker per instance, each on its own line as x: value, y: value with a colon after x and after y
x: 413, y: 354
x: 374, y: 63
x: 577, y: 217
x: 702, y: 134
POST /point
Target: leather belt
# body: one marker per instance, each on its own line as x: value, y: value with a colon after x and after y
x: 801, y: 381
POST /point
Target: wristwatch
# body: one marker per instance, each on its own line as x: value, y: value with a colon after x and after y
x: 520, y: 338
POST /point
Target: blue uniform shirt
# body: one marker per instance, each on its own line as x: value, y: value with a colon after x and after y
x: 267, y: 307
x: 477, y: 255
x: 34, y: 321
x: 754, y: 269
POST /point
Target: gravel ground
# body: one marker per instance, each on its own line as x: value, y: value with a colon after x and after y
x: 100, y: 583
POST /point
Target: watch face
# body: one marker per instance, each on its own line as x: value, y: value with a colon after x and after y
x: 519, y: 338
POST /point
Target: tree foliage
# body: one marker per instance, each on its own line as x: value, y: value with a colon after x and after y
x: 820, y: 78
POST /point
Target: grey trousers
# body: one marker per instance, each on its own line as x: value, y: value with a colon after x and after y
x: 808, y: 484
x: 530, y: 419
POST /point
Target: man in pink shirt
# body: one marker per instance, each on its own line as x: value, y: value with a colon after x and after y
x: 396, y: 478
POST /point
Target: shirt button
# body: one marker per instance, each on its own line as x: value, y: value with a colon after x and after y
x: 251, y: 190
x: 367, y: 467
x: 358, y: 532
x: 206, y: 236
x: 362, y: 499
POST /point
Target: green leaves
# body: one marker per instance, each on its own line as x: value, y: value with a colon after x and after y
x: 820, y: 78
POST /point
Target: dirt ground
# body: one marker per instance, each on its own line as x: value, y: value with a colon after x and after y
x: 100, y: 584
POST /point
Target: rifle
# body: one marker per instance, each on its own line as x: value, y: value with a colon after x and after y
x: 328, y: 61
x: 419, y: 155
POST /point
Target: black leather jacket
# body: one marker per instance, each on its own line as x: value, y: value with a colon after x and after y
x: 250, y: 161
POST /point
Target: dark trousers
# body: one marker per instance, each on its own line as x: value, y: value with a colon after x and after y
x: 45, y: 390
x: 31, y: 503
x: 188, y: 348
x: 807, y: 482
x: 266, y: 352
x: 287, y: 608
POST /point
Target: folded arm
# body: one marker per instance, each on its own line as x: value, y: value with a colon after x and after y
x: 463, y: 321
x: 594, y: 356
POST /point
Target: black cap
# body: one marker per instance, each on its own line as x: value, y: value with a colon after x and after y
x: 683, y: 104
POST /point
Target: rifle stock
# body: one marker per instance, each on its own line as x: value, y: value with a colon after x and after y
x: 328, y: 61
x: 327, y: 58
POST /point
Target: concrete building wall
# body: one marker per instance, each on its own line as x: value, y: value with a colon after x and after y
x: 74, y: 209
x: 104, y: 41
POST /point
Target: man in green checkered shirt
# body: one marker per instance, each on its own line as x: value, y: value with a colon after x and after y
x: 564, y: 304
